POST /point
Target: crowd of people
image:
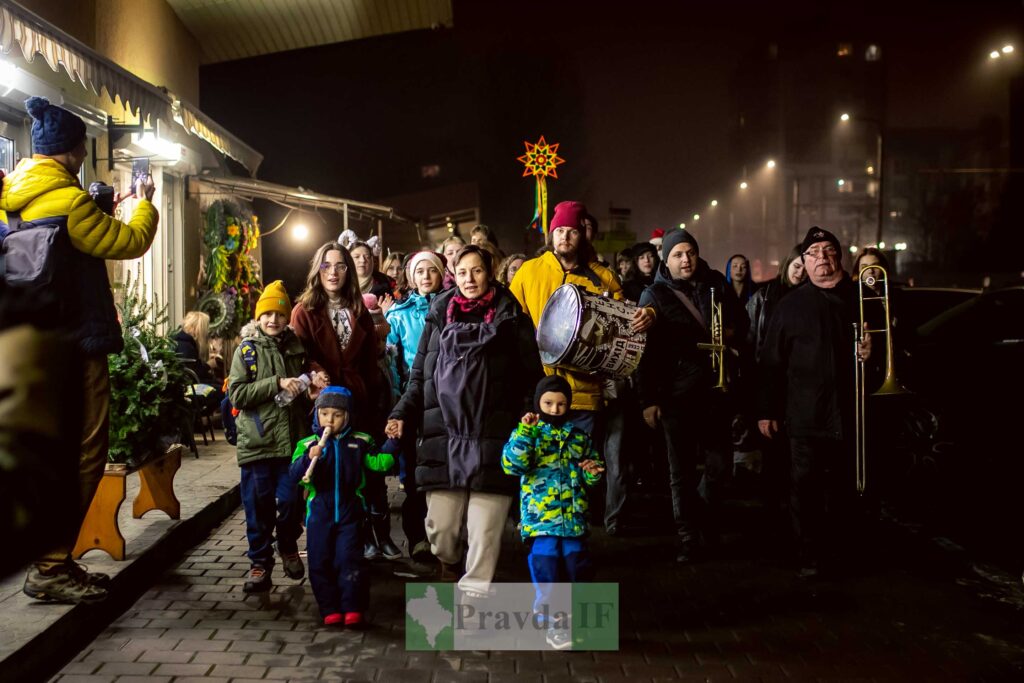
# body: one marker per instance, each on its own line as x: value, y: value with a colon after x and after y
x: 434, y: 356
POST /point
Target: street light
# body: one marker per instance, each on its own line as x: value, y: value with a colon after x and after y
x: 994, y: 54
x: 840, y: 182
x: 771, y: 163
x: 714, y: 202
x: 1007, y: 49
x: 743, y: 185
x: 877, y: 169
x: 696, y: 216
x: 682, y: 226
x: 300, y: 232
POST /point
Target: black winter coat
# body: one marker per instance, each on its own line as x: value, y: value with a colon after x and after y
x: 760, y: 307
x: 187, y: 348
x: 672, y: 365
x: 464, y: 450
x: 807, y: 361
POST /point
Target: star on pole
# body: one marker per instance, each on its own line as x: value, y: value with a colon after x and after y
x: 541, y: 159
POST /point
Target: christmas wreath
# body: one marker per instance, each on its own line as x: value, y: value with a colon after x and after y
x: 229, y: 276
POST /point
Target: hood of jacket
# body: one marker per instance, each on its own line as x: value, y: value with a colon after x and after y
x: 31, y: 179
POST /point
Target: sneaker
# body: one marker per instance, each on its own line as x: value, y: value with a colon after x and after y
x: 371, y: 551
x: 82, y: 573
x: 292, y: 565
x: 353, y: 618
x: 389, y: 550
x: 559, y: 638
x: 333, y: 619
x: 421, y: 552
x: 63, y: 585
x: 259, y: 580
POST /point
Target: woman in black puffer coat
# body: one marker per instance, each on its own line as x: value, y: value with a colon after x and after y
x: 472, y: 380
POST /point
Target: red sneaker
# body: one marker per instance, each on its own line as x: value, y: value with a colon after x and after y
x: 353, y: 618
x: 333, y: 619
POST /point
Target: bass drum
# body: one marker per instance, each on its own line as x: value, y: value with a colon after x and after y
x: 589, y: 333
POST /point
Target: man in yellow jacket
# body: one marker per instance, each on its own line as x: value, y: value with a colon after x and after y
x: 44, y: 191
x: 572, y: 260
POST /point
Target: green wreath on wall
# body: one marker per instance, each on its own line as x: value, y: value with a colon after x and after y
x: 229, y: 276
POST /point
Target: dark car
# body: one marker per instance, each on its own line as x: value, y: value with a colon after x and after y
x: 965, y: 369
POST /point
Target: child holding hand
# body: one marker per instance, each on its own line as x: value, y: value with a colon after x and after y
x: 555, y: 461
x: 332, y: 465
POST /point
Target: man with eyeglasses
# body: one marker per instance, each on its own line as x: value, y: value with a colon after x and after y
x: 807, y: 369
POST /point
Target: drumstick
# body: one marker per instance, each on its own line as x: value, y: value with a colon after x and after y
x: 312, y: 461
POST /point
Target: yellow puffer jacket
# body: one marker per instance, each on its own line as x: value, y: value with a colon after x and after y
x: 44, y: 192
x: 42, y: 188
x: 534, y: 283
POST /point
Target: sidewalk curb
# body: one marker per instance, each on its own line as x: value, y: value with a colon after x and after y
x: 48, y: 652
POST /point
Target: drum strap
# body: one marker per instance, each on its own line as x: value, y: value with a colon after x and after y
x: 588, y: 272
x: 690, y: 307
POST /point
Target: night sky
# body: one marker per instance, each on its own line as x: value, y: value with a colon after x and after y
x: 639, y: 95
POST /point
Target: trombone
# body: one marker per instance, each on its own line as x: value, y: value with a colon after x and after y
x: 891, y: 385
x: 717, y: 346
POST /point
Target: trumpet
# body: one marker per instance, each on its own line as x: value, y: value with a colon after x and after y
x: 717, y: 346
x: 891, y: 386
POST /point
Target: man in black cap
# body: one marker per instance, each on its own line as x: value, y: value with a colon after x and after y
x: 807, y: 384
x: 675, y: 383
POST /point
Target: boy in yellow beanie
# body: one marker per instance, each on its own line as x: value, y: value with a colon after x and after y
x: 270, y: 391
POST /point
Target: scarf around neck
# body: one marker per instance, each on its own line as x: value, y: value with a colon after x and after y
x: 483, y: 305
x: 365, y: 283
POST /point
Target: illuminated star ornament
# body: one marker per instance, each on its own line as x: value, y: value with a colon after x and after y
x: 541, y: 160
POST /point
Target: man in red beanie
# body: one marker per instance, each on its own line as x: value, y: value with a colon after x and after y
x: 572, y: 259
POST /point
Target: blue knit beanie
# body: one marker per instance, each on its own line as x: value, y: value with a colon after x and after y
x: 335, y: 397
x: 54, y: 130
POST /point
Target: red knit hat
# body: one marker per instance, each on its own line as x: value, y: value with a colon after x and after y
x: 568, y: 215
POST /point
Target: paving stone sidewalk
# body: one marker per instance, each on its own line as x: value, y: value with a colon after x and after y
x: 200, y: 485
x: 890, y: 614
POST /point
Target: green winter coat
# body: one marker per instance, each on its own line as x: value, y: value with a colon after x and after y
x: 260, y: 361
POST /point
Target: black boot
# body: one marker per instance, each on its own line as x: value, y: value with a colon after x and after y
x: 381, y: 528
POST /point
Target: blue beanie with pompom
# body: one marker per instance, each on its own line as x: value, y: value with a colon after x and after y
x: 54, y: 130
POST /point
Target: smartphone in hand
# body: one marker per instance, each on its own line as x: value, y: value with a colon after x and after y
x: 140, y: 171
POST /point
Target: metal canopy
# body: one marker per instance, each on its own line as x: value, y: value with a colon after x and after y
x: 295, y: 197
x: 236, y: 29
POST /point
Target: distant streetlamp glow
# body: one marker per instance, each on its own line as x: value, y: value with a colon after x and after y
x: 682, y: 225
x: 881, y: 245
x: 840, y: 182
x: 714, y: 202
x: 771, y: 163
x: 696, y: 216
x: 1007, y: 49
x: 844, y: 117
x: 870, y: 170
x: 853, y: 249
x: 994, y: 54
x: 900, y: 246
x: 300, y: 232
x: 743, y: 185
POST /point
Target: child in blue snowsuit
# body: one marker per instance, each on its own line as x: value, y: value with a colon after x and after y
x: 335, y: 508
x: 555, y: 461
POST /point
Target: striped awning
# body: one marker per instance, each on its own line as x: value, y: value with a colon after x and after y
x: 94, y: 72
x: 82, y: 64
x: 198, y: 123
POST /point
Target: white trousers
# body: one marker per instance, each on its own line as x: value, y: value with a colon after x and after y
x: 484, y: 515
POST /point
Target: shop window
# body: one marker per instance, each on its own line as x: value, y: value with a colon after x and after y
x: 6, y: 155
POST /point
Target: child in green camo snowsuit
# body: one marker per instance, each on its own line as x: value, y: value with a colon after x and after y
x: 556, y: 461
